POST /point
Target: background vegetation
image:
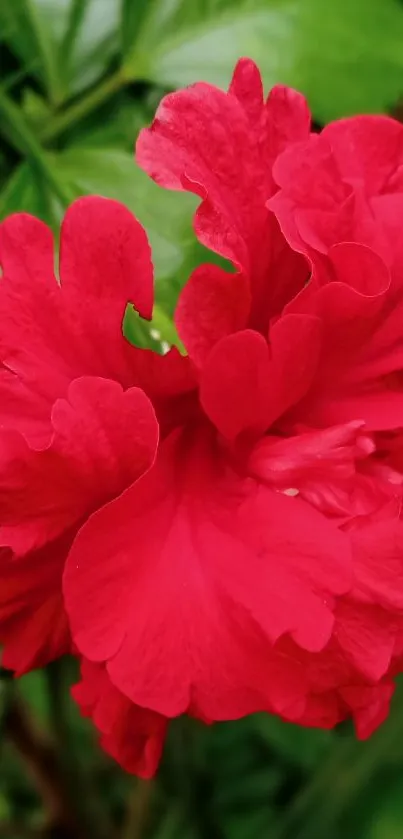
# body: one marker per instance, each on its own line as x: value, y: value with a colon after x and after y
x: 78, y: 78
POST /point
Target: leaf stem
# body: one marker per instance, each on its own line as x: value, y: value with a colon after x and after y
x: 331, y: 790
x: 87, y: 804
x: 25, y: 142
x: 138, y: 810
x: 83, y: 107
x: 46, y: 51
x: 41, y: 762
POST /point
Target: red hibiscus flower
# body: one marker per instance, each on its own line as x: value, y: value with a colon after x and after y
x: 229, y: 547
x: 251, y: 567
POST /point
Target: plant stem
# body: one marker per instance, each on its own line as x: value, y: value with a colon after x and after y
x: 138, y: 809
x: 83, y: 107
x: 329, y: 793
x: 87, y: 805
x: 25, y: 141
x: 42, y: 764
x: 57, y: 693
x: 194, y: 794
x: 44, y: 48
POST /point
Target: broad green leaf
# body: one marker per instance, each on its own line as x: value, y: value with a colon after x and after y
x: 166, y: 216
x: 26, y: 191
x: 159, y: 20
x: 94, y: 42
x: 333, y: 52
x: 33, y: 28
x: 162, y: 329
x: 20, y: 193
x: 159, y: 334
x: 389, y: 819
x: 132, y: 15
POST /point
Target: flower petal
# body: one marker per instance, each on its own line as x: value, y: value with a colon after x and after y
x: 222, y: 147
x: 190, y: 578
x: 52, y: 334
x: 361, y: 343
x: 366, y: 634
x: 236, y: 384
x: 213, y: 304
x: 324, y: 455
x: 201, y: 140
x: 33, y: 622
x: 369, y: 705
x: 26, y: 250
x: 105, y: 257
x: 368, y: 149
x: 378, y: 551
x: 132, y: 735
x: 103, y: 439
x: 247, y: 384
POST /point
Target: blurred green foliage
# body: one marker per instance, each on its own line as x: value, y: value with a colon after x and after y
x: 78, y: 79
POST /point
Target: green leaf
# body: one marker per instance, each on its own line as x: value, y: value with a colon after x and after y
x: 26, y: 191
x: 66, y: 43
x: 162, y: 328
x: 160, y: 19
x: 166, y: 216
x: 20, y: 193
x: 25, y: 141
x: 332, y: 52
x: 132, y: 14
x: 94, y: 43
x: 29, y: 27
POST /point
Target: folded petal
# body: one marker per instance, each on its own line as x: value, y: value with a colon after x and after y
x: 246, y: 383
x: 378, y: 564
x: 212, y: 305
x: 315, y: 206
x: 324, y: 455
x: 33, y: 622
x: 361, y: 344
x: 222, y: 147
x: 105, y: 257
x: 369, y: 706
x: 190, y: 578
x: 366, y: 635
x: 132, y: 735
x: 54, y: 333
x: 368, y: 150
x: 26, y: 250
x: 236, y: 384
x: 103, y: 439
x: 184, y: 149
